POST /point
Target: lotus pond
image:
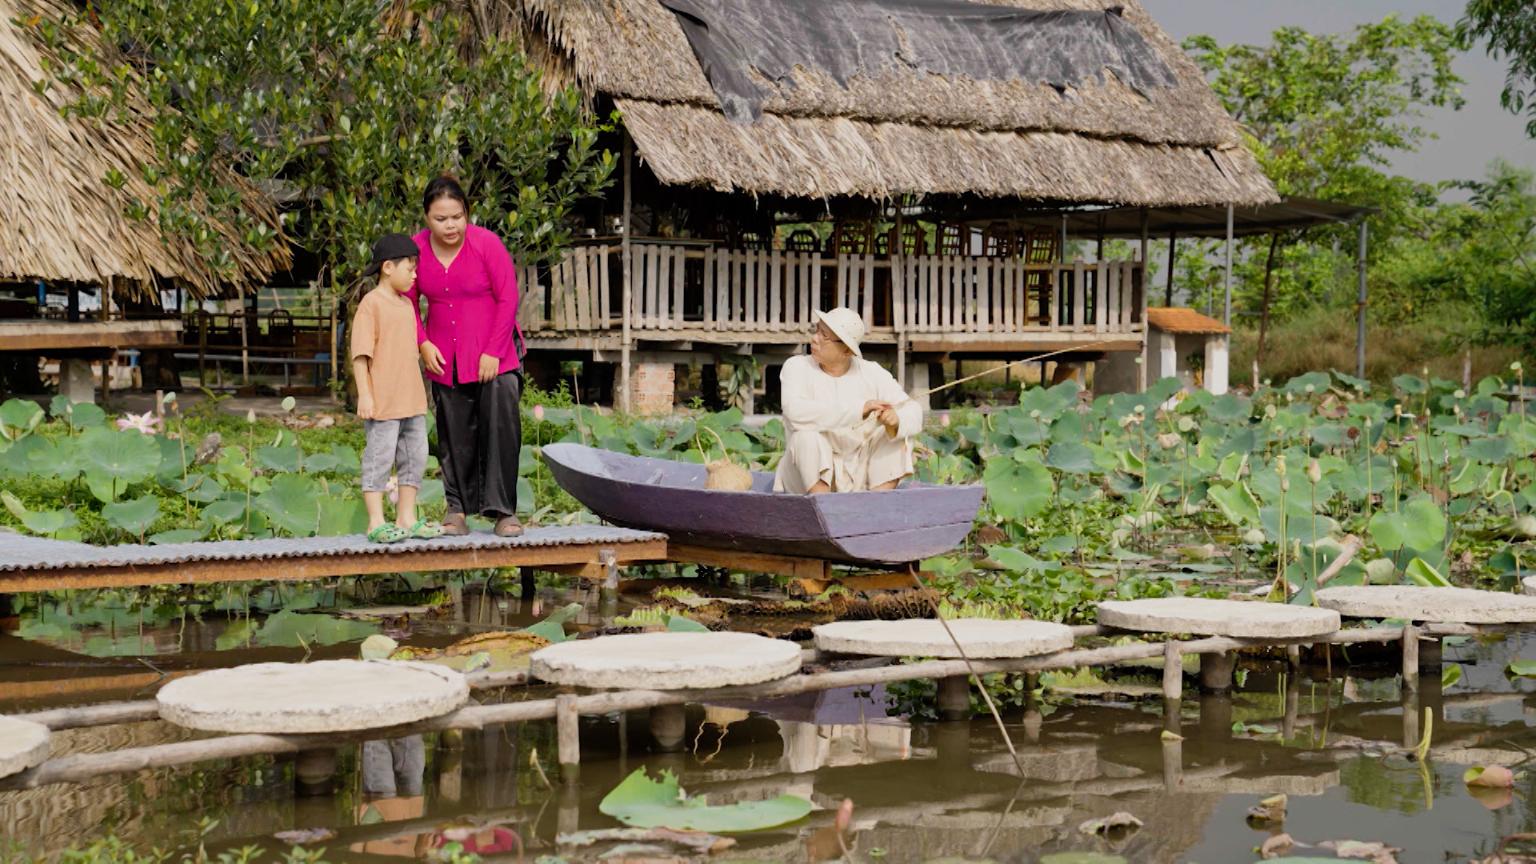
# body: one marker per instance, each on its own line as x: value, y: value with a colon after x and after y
x: 1116, y: 497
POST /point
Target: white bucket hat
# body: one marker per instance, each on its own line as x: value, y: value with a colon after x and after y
x: 846, y: 325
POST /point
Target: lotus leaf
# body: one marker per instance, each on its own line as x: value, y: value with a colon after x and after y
x: 46, y: 522
x: 18, y: 417
x: 118, y: 459
x: 340, y: 516
x: 178, y: 535
x: 285, y: 629
x: 291, y: 504
x: 646, y: 803
x: 1018, y: 488
x: 1071, y: 457
x: 1410, y: 384
x: 1420, y: 573
x: 225, y: 511
x: 279, y: 459
x: 552, y: 628
x: 1418, y: 525
x: 1236, y: 503
x: 133, y: 517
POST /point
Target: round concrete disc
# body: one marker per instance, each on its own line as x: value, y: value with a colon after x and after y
x: 1235, y: 618
x: 981, y: 638
x: 667, y: 661
x: 1419, y: 603
x: 328, y: 696
x: 23, y: 744
x: 1528, y: 586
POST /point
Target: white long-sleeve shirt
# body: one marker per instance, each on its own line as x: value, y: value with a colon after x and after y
x: 814, y: 400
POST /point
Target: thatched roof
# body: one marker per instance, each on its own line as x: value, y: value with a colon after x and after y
x: 63, y: 222
x: 903, y: 130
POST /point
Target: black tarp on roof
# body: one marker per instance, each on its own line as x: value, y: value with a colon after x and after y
x: 952, y: 38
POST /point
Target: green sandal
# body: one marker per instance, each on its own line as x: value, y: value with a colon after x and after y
x: 389, y: 532
x: 424, y: 530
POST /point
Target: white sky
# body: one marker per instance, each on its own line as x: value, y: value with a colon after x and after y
x: 1467, y: 139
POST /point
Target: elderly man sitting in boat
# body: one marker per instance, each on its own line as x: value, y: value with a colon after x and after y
x: 849, y: 425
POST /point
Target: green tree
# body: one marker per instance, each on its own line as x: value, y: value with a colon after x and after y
x: 1324, y: 114
x: 1509, y: 28
x: 346, y: 108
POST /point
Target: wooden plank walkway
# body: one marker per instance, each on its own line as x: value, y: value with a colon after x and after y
x: 29, y: 564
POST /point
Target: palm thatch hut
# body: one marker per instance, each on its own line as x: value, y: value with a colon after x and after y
x: 892, y: 156
x: 67, y: 224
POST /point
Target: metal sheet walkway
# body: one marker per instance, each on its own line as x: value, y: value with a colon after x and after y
x: 34, y: 564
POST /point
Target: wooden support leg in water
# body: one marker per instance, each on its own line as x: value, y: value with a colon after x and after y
x: 669, y: 723
x: 568, y: 737
x: 1173, y: 685
x: 1430, y: 652
x: 1410, y: 644
x: 609, y: 561
x: 954, y: 698
x: 314, y: 771
x: 1216, y: 671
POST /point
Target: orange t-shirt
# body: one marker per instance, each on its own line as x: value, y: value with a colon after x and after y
x: 384, y: 331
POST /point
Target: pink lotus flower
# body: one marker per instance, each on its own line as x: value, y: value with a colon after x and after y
x: 944, y: 419
x: 146, y: 423
x: 538, y: 413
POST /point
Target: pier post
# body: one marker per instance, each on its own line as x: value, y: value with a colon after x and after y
x: 609, y: 561
x: 568, y: 738
x: 954, y: 699
x: 1410, y: 643
x: 527, y: 588
x: 314, y: 771
x: 1431, y: 651
x: 1216, y: 671
x: 1173, y: 685
x: 669, y: 724
x: 1173, y: 764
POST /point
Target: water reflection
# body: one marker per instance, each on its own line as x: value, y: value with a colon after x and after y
x: 918, y: 791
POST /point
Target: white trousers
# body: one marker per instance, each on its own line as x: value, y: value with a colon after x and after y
x: 810, y: 456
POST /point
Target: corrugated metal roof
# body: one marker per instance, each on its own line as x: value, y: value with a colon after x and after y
x: 1175, y: 319
x: 19, y: 552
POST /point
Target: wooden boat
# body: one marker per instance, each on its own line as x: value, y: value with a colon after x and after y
x: 908, y: 524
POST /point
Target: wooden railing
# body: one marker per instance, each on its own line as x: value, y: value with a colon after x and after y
x: 695, y: 288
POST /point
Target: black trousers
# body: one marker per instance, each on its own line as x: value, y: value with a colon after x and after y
x: 479, y: 441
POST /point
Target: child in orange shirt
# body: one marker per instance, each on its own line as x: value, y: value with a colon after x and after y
x: 390, y: 396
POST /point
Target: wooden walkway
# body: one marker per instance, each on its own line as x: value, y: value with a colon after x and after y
x: 30, y: 564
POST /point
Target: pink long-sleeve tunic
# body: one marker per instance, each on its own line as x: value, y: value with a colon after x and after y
x: 471, y: 305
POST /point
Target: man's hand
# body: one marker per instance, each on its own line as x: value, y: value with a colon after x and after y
x: 489, y: 366
x: 431, y: 358
x: 874, y: 406
x: 365, y: 406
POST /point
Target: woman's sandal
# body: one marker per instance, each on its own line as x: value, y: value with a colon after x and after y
x: 389, y: 532
x: 423, y: 529
x: 454, y: 525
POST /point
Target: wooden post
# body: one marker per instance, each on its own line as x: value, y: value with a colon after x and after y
x: 108, y: 361
x: 669, y: 723
x: 1216, y: 671
x: 245, y: 343
x: 610, y: 564
x: 1410, y: 657
x: 954, y: 699
x: 1173, y: 242
x: 1361, y: 301
x: 568, y: 735
x: 1173, y: 672
x: 1226, y: 313
x: 626, y: 256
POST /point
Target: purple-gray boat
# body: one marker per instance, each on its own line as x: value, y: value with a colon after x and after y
x: 909, y: 524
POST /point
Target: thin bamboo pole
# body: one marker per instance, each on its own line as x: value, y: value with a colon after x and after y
x: 626, y: 254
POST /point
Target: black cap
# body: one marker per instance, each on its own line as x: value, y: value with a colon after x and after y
x: 391, y: 247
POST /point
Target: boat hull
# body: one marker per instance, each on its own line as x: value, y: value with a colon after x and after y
x: 865, y: 528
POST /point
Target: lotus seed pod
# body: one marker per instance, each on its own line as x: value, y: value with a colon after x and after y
x: 1515, y: 366
x: 250, y: 415
x: 1169, y: 440
x: 1280, y: 465
x: 1314, y: 471
x: 1253, y: 537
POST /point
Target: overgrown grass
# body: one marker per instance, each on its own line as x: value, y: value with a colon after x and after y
x: 1324, y: 339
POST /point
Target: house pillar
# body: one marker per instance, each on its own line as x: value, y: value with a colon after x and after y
x: 1216, y: 364
x: 1164, y: 353
x: 75, y: 382
x: 917, y: 384
x: 651, y: 388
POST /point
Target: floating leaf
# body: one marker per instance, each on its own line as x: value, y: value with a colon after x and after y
x: 286, y: 629
x: 1521, y: 668
x: 682, y: 624
x: 1450, y: 676
x: 647, y: 803
x: 552, y: 628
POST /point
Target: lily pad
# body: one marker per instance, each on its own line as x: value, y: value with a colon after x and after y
x: 647, y: 803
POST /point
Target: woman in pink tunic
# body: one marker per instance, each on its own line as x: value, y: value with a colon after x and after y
x: 471, y: 347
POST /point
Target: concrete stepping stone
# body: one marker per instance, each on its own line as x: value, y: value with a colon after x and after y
x: 1528, y: 586
x: 667, y: 661
x: 23, y: 745
x: 1238, y: 619
x: 327, y: 696
x: 926, y: 637
x: 1420, y: 603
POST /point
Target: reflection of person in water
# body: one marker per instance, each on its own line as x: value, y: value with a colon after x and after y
x: 392, y: 787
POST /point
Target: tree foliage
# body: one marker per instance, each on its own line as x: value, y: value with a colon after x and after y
x: 1509, y: 27
x: 347, y: 108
